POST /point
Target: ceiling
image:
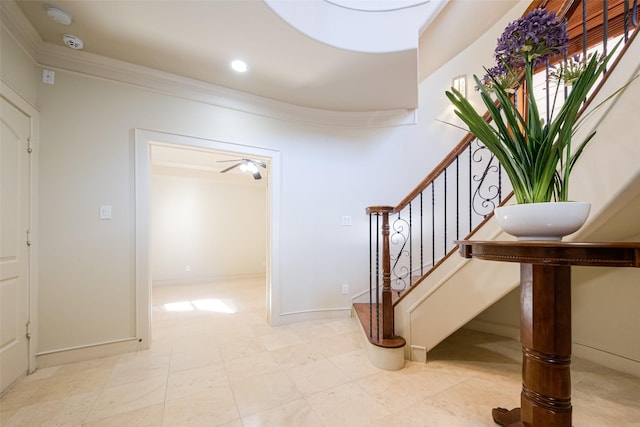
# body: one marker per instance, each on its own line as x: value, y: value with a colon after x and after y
x: 172, y: 159
x: 197, y: 39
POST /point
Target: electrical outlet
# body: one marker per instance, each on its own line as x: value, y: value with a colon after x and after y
x: 187, y: 267
x: 345, y: 289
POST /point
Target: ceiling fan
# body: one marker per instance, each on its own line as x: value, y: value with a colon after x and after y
x: 250, y: 165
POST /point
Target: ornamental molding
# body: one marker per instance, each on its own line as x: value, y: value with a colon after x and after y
x: 59, y: 58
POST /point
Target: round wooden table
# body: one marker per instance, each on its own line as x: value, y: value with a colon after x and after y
x: 545, y: 318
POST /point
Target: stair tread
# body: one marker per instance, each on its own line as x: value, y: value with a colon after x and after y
x: 363, y: 311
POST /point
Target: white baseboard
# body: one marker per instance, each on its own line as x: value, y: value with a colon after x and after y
x: 207, y: 279
x: 610, y: 360
x: 418, y: 353
x: 94, y: 351
x: 500, y: 329
x: 602, y: 357
x: 308, y: 315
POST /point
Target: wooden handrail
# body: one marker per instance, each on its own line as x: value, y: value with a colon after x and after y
x: 440, y: 167
x: 464, y: 143
x: 564, y: 8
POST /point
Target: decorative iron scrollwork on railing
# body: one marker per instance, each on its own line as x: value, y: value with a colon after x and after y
x: 488, y: 191
x: 399, y: 238
x: 456, y: 201
x: 449, y: 204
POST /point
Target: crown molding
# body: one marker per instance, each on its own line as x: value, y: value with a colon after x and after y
x: 20, y: 29
x: 61, y: 58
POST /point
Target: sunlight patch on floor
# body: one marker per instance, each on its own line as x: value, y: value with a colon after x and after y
x: 211, y: 304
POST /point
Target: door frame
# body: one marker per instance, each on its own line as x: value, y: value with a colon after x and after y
x: 32, y: 112
x: 143, y: 140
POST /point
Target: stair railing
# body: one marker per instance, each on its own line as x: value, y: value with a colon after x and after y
x: 408, y: 241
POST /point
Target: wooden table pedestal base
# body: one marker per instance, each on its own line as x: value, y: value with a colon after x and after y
x: 545, y: 319
x: 507, y: 418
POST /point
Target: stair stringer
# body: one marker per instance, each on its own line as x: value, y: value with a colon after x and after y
x: 453, y: 294
x: 607, y: 175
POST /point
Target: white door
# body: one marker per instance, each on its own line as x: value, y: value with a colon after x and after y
x: 14, y: 252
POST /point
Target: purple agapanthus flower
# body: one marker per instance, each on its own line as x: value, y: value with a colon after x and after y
x: 529, y: 40
x: 501, y: 75
x: 536, y: 36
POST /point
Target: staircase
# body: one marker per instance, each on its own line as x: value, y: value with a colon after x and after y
x: 421, y: 290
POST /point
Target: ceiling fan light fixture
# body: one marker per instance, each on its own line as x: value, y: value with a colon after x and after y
x: 252, y: 168
x: 246, y: 165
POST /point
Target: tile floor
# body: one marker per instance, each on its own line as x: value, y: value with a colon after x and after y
x: 208, y: 368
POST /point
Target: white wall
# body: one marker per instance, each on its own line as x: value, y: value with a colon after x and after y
x: 604, y: 302
x: 17, y: 69
x: 87, y: 269
x: 215, y: 226
x: 87, y: 266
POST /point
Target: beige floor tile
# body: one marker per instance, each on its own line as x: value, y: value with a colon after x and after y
x: 590, y: 410
x: 68, y: 412
x: 428, y: 414
x: 477, y: 396
x: 150, y: 416
x: 343, y: 326
x: 71, y: 383
x: 347, y: 405
x: 316, y: 376
x: 396, y: 390
x: 296, y: 355
x: 212, y: 408
x: 210, y: 369
x: 354, y: 364
x: 139, y: 368
x: 18, y: 396
x: 234, y: 334
x: 195, y: 357
x: 263, y: 392
x: 251, y: 366
x: 128, y: 397
x: 281, y: 337
x: 242, y: 348
x: 234, y: 423
x: 334, y: 346
x: 41, y: 374
x: 196, y: 381
x: 313, y: 330
x: 295, y: 414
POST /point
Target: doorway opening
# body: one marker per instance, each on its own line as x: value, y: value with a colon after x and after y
x: 170, y: 152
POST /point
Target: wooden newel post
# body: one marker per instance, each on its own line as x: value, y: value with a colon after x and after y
x: 387, y: 303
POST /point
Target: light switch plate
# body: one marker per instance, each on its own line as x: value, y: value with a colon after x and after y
x: 48, y: 76
x: 105, y: 212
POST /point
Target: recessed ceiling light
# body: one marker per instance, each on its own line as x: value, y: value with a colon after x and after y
x: 239, y: 66
x: 58, y: 15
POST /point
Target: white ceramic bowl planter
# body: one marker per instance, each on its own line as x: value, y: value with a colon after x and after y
x: 542, y: 221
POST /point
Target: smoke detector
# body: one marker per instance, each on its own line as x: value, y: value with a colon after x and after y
x: 58, y: 15
x: 72, y: 41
